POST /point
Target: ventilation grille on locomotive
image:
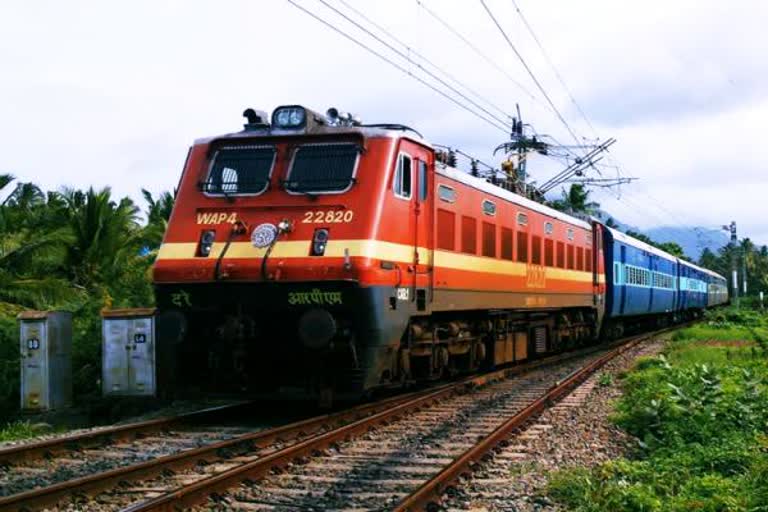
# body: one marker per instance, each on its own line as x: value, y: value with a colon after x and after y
x: 540, y: 337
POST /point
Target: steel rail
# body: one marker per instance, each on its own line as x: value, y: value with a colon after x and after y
x: 90, y: 484
x: 69, y: 443
x: 377, y: 413
x: 198, y: 492
x: 427, y: 497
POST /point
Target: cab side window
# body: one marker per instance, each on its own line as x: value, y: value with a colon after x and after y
x: 403, y: 182
x: 423, y: 184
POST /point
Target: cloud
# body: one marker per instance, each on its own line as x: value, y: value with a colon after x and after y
x: 100, y: 94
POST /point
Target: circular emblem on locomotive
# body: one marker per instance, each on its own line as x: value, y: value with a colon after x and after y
x: 263, y: 235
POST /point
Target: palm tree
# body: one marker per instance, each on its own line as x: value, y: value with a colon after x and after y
x: 5, y: 180
x: 30, y: 265
x: 25, y: 196
x: 158, y: 213
x: 159, y: 209
x: 576, y: 200
x: 105, y: 235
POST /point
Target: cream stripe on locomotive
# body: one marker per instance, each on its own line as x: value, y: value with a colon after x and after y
x: 377, y: 249
x: 299, y: 249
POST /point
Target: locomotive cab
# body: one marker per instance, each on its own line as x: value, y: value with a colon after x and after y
x: 294, y: 256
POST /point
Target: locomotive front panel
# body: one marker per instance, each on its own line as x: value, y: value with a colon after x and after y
x: 270, y: 275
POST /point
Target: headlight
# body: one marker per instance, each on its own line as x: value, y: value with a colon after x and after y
x: 319, y: 242
x: 289, y: 117
x: 207, y: 238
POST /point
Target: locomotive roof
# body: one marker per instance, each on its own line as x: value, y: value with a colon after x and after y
x: 326, y: 131
x: 488, y: 188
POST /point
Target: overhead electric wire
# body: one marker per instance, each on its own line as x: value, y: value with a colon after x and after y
x: 666, y: 216
x: 531, y: 73
x: 408, y: 58
x: 554, y: 68
x: 399, y: 67
x: 632, y: 205
x: 644, y: 191
x: 479, y: 52
x: 434, y: 66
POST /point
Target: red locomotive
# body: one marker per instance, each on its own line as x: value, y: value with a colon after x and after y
x: 315, y: 253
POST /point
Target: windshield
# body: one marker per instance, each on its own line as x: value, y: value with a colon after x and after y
x: 322, y: 168
x: 240, y: 170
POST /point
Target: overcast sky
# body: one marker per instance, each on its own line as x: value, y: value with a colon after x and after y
x: 112, y: 94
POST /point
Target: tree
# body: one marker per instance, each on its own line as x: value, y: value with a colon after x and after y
x: 25, y: 197
x: 576, y: 200
x: 74, y: 250
x: 158, y: 213
x: 5, y: 180
x: 708, y: 259
x: 672, y: 248
x: 105, y: 236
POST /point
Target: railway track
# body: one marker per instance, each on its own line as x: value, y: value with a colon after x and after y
x: 99, y: 436
x: 66, y: 456
x: 408, y: 449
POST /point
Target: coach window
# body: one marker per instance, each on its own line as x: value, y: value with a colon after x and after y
x: 522, y: 219
x: 571, y: 263
x: 489, y: 207
x: 570, y: 234
x: 588, y: 260
x: 403, y: 179
x: 506, y: 243
x: 548, y: 228
x: 468, y: 235
x: 522, y: 246
x: 489, y: 239
x: 536, y: 250
x: 423, y: 180
x: 579, y: 258
x: 549, y: 253
x: 561, y: 254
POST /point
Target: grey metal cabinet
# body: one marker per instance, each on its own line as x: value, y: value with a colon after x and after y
x: 45, y: 346
x: 128, y: 352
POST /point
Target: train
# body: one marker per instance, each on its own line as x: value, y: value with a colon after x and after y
x: 311, y: 255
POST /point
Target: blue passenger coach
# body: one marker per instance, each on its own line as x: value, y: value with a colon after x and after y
x: 642, y: 280
x: 717, y: 289
x: 701, y: 288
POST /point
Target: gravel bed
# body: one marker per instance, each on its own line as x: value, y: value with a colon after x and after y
x: 570, y: 435
x: 49, y: 431
x: 377, y: 469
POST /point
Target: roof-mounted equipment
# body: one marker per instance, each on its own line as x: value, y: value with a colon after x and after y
x: 296, y: 118
x: 339, y: 118
x: 257, y: 120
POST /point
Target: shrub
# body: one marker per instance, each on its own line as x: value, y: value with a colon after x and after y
x: 700, y: 414
x: 9, y: 366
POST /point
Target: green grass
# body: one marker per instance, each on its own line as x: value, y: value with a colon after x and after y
x: 19, y: 430
x: 605, y: 379
x: 699, y: 413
